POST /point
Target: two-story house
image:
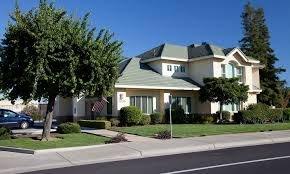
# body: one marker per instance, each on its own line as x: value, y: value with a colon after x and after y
x: 147, y: 80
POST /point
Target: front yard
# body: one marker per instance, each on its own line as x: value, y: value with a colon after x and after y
x: 60, y: 140
x: 193, y: 130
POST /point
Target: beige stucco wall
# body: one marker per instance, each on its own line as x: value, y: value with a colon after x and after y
x: 256, y: 77
x: 63, y: 107
x: 201, y: 69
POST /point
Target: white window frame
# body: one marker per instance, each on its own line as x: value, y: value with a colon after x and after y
x: 141, y: 104
x: 169, y: 67
x: 176, y: 68
x: 182, y: 68
x: 223, y: 70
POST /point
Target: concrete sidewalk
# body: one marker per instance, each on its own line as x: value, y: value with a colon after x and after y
x: 17, y: 163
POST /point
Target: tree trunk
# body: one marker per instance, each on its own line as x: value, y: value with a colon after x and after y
x: 48, y: 119
x: 221, y: 112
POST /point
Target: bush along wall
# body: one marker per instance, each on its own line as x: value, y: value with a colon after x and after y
x: 130, y: 116
x: 259, y: 113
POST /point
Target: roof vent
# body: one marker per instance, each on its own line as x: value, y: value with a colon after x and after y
x: 194, y: 45
x: 204, y: 43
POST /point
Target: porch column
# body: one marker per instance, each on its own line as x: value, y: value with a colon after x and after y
x: 122, y: 100
x: 166, y: 100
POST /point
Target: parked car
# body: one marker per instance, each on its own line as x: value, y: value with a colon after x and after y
x: 12, y: 119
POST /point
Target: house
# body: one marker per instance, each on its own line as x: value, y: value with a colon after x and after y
x: 147, y: 80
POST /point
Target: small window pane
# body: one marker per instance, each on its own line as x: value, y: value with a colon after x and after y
x: 144, y: 104
x: 150, y: 105
x: 138, y: 102
x: 182, y: 68
x: 176, y: 69
x: 169, y: 68
x: 132, y: 101
x: 188, y: 104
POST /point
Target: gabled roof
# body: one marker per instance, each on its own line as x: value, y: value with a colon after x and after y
x: 140, y: 75
x: 186, y: 53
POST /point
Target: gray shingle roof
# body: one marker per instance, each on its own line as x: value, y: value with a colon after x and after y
x: 185, y: 52
x: 139, y: 74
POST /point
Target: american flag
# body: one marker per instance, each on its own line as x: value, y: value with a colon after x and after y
x: 99, y: 105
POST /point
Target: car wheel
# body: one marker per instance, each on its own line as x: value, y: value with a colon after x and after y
x: 24, y: 125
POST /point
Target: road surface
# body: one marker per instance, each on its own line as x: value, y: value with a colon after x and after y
x: 266, y: 159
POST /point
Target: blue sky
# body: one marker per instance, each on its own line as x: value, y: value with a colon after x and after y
x: 143, y: 24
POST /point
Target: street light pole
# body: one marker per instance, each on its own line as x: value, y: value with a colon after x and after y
x: 170, y: 117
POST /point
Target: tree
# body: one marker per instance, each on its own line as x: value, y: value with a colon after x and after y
x: 47, y: 53
x: 223, y: 90
x: 256, y: 43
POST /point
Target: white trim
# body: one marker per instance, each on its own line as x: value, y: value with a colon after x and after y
x: 236, y: 49
x: 155, y: 87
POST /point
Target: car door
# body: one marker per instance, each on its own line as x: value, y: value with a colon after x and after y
x: 2, y: 122
x: 10, y: 118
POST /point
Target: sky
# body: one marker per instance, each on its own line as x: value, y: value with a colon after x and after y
x: 144, y: 24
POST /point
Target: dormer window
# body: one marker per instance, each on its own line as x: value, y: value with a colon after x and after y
x: 169, y: 68
x: 176, y: 68
x: 182, y: 68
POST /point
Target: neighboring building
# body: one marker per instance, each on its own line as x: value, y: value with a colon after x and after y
x: 147, y: 80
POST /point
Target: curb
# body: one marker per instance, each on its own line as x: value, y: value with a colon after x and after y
x: 17, y: 150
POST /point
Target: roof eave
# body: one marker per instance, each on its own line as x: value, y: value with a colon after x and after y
x: 156, y: 87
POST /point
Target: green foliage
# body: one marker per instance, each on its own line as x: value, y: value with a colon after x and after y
x: 33, y: 111
x: 130, y: 116
x: 68, y: 128
x: 156, y: 118
x: 98, y: 124
x: 226, y: 115
x: 115, y: 122
x: 256, y: 43
x: 145, y: 120
x: 286, y: 114
x: 177, y: 114
x: 223, y: 90
x: 48, y: 53
x: 260, y: 113
x: 204, y: 118
x: 5, y: 133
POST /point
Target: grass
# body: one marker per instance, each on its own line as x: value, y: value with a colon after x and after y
x: 63, y: 140
x: 193, y: 130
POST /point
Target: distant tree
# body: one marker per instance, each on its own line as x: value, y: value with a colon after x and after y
x: 47, y: 53
x: 223, y: 90
x: 256, y: 43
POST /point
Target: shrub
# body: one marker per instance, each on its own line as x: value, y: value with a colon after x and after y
x: 5, y: 133
x: 204, y: 118
x: 98, y: 124
x: 120, y: 137
x: 177, y: 114
x: 237, y: 117
x: 130, y: 116
x: 68, y: 128
x: 145, y: 120
x: 286, y: 114
x: 32, y: 111
x: 260, y: 113
x: 101, y: 118
x: 225, y: 114
x: 163, y: 135
x: 115, y: 122
x: 156, y: 118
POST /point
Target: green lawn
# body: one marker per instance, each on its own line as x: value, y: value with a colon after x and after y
x: 192, y: 130
x: 65, y: 140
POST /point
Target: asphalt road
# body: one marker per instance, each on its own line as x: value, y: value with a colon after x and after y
x: 266, y: 159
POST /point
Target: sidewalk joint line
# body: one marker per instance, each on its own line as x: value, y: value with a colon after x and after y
x: 132, y: 149
x: 65, y: 158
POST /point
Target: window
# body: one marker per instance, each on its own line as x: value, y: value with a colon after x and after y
x: 169, y: 68
x: 231, y: 107
x: 184, y: 102
x: 176, y: 68
x: 182, y: 68
x: 145, y: 103
x: 239, y: 73
x: 9, y: 114
x: 223, y: 72
x: 109, y: 105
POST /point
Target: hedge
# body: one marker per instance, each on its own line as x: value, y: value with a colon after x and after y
x: 156, y: 118
x: 130, y: 116
x: 5, y: 133
x: 145, y: 120
x: 259, y: 113
x: 286, y: 114
x: 68, y: 128
x: 98, y: 124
